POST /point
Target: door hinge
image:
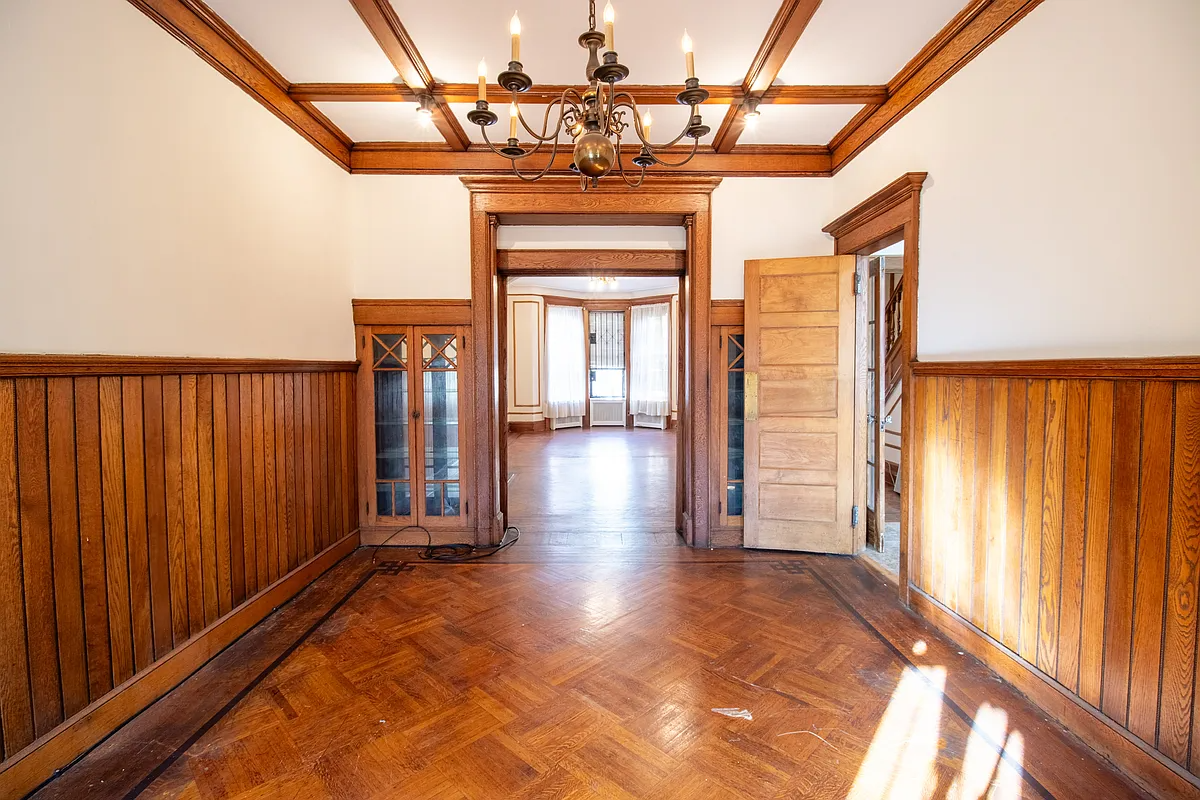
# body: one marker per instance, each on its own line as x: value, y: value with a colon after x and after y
x: 364, y: 343
x: 468, y: 504
x: 854, y: 517
x: 718, y: 508
x: 858, y: 283
x: 367, y: 507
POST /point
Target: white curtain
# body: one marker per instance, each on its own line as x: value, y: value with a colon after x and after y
x: 566, y: 370
x: 650, y: 360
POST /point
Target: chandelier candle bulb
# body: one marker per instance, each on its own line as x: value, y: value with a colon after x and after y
x: 647, y: 121
x: 512, y: 120
x: 688, y: 55
x: 514, y: 28
x: 483, y: 80
x: 609, y: 37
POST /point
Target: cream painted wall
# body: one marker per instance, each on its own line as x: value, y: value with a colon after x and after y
x: 1063, y: 190
x: 150, y: 207
x: 410, y: 236
x: 526, y: 359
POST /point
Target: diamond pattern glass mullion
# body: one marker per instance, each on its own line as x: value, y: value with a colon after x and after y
x: 440, y: 421
x: 393, y: 434
x: 735, y: 425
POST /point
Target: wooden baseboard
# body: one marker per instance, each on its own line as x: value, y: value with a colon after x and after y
x: 37, y: 763
x: 1142, y: 764
x: 529, y: 426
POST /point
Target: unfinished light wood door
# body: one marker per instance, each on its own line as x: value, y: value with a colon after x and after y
x: 801, y: 382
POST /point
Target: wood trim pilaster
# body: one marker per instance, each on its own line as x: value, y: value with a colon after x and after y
x: 208, y: 36
x: 728, y: 312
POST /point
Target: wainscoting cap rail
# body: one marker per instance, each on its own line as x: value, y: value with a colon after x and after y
x: 1167, y: 368
x: 21, y: 365
x: 881, y: 202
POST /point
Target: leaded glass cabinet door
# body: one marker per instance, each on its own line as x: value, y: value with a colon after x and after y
x: 391, y: 354
x: 730, y: 421
x: 442, y: 462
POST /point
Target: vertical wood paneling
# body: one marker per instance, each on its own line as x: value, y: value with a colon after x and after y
x: 1070, y: 600
x: 1018, y: 407
x: 190, y: 452
x: 91, y: 533
x: 64, y: 524
x: 1062, y: 518
x: 1095, y: 570
x: 249, y: 534
x: 1031, y: 550
x: 233, y: 436
x: 261, y: 501
x: 34, y: 498
x: 136, y: 510
x: 208, y: 534
x: 16, y: 710
x: 1157, y: 417
x: 221, y: 494
x: 116, y: 543
x: 156, y: 514
x: 176, y: 553
x: 134, y: 435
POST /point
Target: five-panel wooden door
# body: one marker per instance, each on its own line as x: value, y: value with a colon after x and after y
x: 415, y: 431
x: 801, y: 405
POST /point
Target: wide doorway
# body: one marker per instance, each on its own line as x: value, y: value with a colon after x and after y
x: 592, y: 381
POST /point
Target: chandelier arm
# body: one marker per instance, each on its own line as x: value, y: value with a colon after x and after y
x: 637, y: 128
x: 538, y: 176
x: 544, y: 136
x: 621, y: 169
x: 691, y: 155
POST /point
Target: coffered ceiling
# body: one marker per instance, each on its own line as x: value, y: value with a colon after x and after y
x: 831, y: 75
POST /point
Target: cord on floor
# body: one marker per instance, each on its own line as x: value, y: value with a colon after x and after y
x: 453, y: 553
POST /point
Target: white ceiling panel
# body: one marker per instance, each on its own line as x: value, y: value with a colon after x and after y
x: 381, y: 122
x: 452, y: 35
x: 864, y: 41
x: 797, y: 124
x: 668, y: 121
x: 318, y: 41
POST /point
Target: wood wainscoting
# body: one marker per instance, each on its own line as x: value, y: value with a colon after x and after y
x: 151, y: 511
x: 1057, y: 509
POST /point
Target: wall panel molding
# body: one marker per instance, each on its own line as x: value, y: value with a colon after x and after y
x: 147, y: 518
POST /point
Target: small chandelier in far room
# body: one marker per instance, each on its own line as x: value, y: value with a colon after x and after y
x: 602, y: 284
x: 595, y: 118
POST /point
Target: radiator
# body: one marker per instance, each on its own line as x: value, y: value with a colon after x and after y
x: 608, y: 412
x: 565, y: 422
x: 647, y: 421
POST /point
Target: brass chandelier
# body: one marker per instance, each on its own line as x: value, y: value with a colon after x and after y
x: 595, y: 118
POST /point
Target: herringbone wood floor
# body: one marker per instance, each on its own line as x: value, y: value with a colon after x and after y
x: 503, y: 680
x: 562, y: 671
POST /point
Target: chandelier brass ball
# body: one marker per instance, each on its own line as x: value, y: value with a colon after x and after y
x: 594, y: 154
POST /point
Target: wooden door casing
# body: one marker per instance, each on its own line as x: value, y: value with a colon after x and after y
x: 802, y: 405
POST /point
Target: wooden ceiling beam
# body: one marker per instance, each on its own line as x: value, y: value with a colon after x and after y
x: 979, y: 24
x: 786, y: 29
x: 207, y: 35
x: 381, y: 19
x: 404, y: 158
x: 644, y: 95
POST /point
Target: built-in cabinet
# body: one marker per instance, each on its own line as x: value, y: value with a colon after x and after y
x: 727, y: 418
x: 413, y: 432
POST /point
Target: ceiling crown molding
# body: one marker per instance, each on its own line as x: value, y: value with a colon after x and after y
x: 666, y: 184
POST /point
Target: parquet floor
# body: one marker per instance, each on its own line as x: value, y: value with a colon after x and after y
x: 592, y: 679
x: 588, y: 661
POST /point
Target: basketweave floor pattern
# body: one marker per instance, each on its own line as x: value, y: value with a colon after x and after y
x: 592, y: 679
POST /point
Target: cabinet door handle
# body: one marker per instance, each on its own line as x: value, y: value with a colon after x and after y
x: 416, y: 414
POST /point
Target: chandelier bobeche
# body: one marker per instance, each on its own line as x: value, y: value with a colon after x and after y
x: 595, y: 119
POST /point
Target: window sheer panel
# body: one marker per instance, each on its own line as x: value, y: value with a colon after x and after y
x: 650, y: 360
x: 566, y: 365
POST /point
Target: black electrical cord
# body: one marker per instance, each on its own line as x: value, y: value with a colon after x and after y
x: 453, y: 553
